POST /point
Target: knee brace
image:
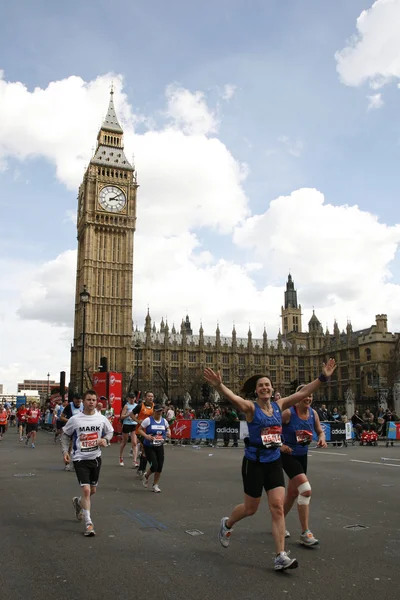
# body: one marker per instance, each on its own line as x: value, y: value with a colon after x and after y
x: 304, y: 487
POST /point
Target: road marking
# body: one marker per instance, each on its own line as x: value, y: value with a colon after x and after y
x: 369, y: 462
x: 384, y: 458
x: 330, y: 453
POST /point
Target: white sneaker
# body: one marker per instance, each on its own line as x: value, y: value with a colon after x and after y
x: 156, y: 489
x: 224, y: 533
x: 145, y: 482
x: 287, y: 533
x: 307, y: 539
x: 121, y: 462
x: 283, y: 562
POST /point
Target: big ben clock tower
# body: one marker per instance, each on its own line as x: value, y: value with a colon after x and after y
x: 106, y: 225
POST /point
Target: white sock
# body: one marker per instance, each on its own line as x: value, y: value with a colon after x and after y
x: 86, y: 515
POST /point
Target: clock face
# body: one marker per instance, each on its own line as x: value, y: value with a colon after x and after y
x: 112, y: 199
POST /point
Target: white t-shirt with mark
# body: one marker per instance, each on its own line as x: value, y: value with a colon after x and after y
x: 86, y: 431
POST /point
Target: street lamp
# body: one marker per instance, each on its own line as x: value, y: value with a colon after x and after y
x: 137, y: 348
x: 48, y: 386
x: 84, y: 297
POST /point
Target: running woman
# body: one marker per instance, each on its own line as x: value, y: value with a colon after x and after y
x: 21, y: 417
x: 128, y: 429
x: 89, y: 431
x: 298, y: 425
x: 155, y: 430
x: 140, y: 412
x: 3, y: 421
x: 33, y: 416
x: 262, y: 465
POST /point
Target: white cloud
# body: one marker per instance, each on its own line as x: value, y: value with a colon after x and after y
x: 228, y: 91
x: 340, y: 255
x: 375, y: 101
x: 294, y: 147
x: 189, y: 111
x: 373, y: 54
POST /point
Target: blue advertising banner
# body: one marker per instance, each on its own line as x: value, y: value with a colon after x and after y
x: 327, y: 429
x: 202, y: 428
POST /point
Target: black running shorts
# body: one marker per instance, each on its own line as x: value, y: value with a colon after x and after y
x: 88, y: 471
x: 128, y: 428
x: 258, y: 476
x: 155, y: 456
x: 294, y: 465
x: 31, y: 427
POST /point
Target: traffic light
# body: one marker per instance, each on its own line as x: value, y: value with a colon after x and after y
x: 103, y: 368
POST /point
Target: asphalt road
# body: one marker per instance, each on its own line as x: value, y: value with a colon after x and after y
x: 142, y: 549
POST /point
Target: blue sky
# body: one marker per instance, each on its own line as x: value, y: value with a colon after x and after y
x: 291, y: 119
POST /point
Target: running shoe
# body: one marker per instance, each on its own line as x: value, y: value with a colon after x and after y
x: 283, y: 562
x: 139, y: 473
x: 156, y: 489
x: 21, y: 439
x: 33, y: 446
x: 121, y: 462
x: 307, y: 539
x: 224, y: 533
x: 145, y: 482
x: 135, y: 465
x: 89, y: 530
x: 287, y: 533
x: 78, y: 508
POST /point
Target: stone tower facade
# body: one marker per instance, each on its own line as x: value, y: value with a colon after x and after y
x: 106, y: 224
x: 291, y: 312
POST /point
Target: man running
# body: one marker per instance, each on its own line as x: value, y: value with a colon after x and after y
x: 155, y: 430
x: 33, y: 415
x: 262, y: 466
x: 128, y: 429
x: 3, y: 421
x: 21, y: 418
x: 298, y: 425
x: 89, y: 431
x: 59, y: 424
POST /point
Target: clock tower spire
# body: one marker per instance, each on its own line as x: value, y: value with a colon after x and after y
x: 105, y: 230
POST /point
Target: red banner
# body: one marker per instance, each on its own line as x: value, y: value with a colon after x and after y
x: 100, y: 384
x: 114, y: 389
x: 180, y: 429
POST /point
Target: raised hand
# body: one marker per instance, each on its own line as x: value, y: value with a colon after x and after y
x: 212, y: 378
x: 329, y: 367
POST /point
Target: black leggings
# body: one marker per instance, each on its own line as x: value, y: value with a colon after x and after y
x: 155, y: 456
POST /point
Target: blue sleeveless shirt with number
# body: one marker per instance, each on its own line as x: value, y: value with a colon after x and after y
x: 298, y: 433
x: 157, y: 430
x: 264, y: 435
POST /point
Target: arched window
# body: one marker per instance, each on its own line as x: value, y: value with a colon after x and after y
x: 369, y: 379
x: 368, y: 354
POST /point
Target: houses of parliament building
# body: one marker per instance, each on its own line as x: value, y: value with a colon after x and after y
x: 171, y: 362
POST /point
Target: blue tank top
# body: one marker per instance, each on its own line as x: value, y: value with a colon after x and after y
x: 265, y: 434
x: 129, y: 420
x: 158, y: 430
x: 298, y: 433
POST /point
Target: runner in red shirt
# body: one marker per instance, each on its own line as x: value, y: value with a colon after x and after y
x: 21, y: 419
x: 32, y: 423
x: 3, y: 421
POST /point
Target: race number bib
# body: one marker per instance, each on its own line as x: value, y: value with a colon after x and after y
x: 158, y: 440
x: 303, y: 437
x: 89, y: 442
x: 271, y: 437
